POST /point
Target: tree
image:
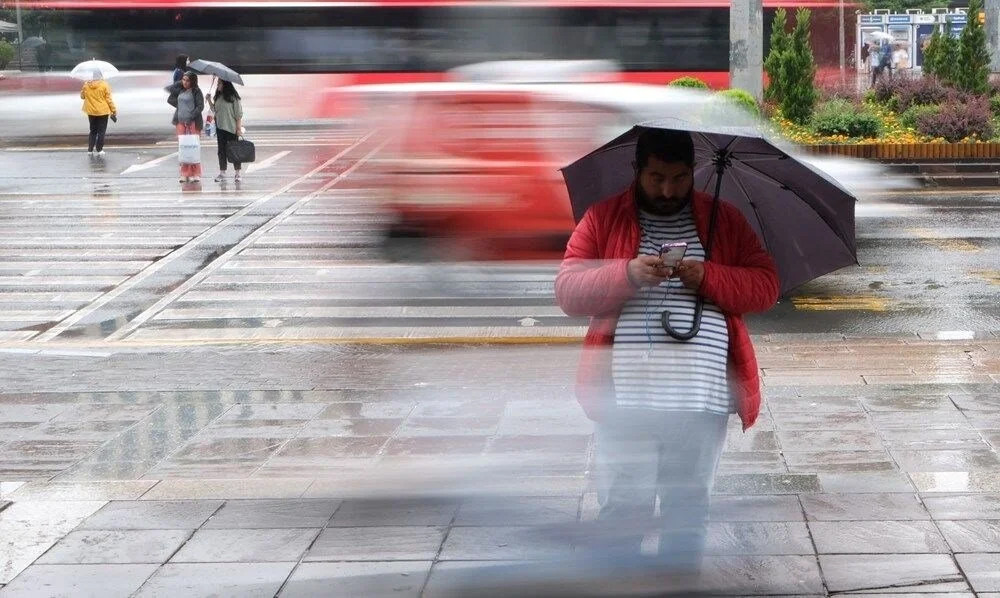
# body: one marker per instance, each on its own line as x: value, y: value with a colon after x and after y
x: 772, y: 64
x: 972, y: 73
x: 798, y: 71
x: 947, y: 61
x: 932, y: 54
x: 902, y: 5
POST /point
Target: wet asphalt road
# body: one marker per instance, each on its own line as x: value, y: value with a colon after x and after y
x: 114, y: 248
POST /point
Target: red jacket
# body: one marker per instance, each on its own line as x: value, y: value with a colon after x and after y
x: 740, y: 278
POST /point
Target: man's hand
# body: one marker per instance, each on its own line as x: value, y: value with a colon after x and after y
x: 691, y: 273
x: 647, y: 271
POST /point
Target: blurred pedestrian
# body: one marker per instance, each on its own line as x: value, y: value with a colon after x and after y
x: 662, y: 405
x: 228, y: 109
x: 187, y: 98
x: 180, y: 66
x: 900, y: 58
x: 874, y: 62
x: 98, y: 105
x: 885, y: 59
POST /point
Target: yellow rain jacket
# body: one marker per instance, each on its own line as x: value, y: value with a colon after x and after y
x: 96, y: 96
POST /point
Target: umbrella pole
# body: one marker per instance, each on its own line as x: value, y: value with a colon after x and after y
x: 721, y: 160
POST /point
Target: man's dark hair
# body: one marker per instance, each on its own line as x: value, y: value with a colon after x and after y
x: 181, y: 62
x: 667, y: 145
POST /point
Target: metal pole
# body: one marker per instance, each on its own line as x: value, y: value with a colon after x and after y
x: 746, y: 46
x: 992, y: 10
x: 20, y: 34
x: 843, y: 42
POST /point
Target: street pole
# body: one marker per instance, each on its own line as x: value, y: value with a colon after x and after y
x: 746, y: 46
x: 992, y: 9
x: 20, y: 34
x: 843, y: 60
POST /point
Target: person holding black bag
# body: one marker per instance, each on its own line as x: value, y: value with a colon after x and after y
x: 229, y: 122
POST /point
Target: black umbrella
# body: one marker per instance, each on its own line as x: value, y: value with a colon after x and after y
x: 804, y: 218
x: 216, y: 68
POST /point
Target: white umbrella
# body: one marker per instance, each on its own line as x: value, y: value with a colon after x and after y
x: 85, y: 70
x: 879, y: 36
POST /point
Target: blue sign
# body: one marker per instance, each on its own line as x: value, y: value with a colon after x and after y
x: 957, y: 18
x: 899, y: 18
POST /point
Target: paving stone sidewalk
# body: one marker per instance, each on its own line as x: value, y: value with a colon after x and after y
x: 357, y: 471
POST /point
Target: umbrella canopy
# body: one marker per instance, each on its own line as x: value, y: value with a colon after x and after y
x: 85, y: 70
x: 6, y: 27
x: 33, y: 42
x: 879, y: 36
x: 218, y: 69
x: 803, y: 218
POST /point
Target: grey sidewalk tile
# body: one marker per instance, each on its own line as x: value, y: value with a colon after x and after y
x: 437, y: 445
x: 831, y: 420
x: 249, y: 514
x: 93, y: 470
x: 756, y: 508
x: 829, y: 440
x: 181, y: 514
x: 22, y: 544
x: 761, y: 575
x: 255, y: 428
x: 30, y: 413
x: 377, y: 544
x: 752, y: 462
x: 99, y: 412
x: 885, y: 537
x: 216, y: 580
x: 919, y: 403
x: 972, y: 535
x: 983, y: 571
x: 190, y: 469
x: 561, y: 444
x: 502, y: 543
x: 543, y: 425
x: 916, y: 420
x: 957, y: 481
x: 865, y: 482
x: 827, y: 461
x: 888, y: 594
x: 811, y: 404
x: 766, y: 483
x: 450, y: 408
x: 863, y: 507
x: 236, y: 450
x: 898, y: 572
x: 8, y: 488
x: 448, y: 426
x: 55, y: 514
x: 119, y: 490
x: 245, y: 545
x: 115, y: 546
x: 350, y: 427
x: 223, y: 489
x: 963, y: 506
x: 753, y: 440
x: 365, y: 410
x: 386, y: 579
x: 515, y: 511
x: 931, y: 439
x: 76, y: 430
x: 977, y: 402
x: 41, y: 451
x: 79, y: 581
x: 328, y: 449
x: 946, y: 460
x: 758, y: 538
x: 273, y: 411
x: 361, y: 513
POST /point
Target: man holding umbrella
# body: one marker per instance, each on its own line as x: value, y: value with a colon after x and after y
x: 661, y: 399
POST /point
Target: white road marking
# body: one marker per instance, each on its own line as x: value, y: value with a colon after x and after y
x: 147, y: 165
x: 183, y: 250
x: 258, y: 166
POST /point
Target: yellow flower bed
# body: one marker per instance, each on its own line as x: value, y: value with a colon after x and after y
x: 893, y: 131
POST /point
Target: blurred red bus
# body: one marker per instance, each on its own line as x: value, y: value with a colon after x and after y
x: 391, y: 41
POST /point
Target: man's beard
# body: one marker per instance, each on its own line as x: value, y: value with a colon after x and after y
x: 660, y: 204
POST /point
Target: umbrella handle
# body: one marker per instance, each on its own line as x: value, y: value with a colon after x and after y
x: 695, y: 324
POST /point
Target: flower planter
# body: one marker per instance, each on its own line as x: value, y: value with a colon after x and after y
x: 911, y: 151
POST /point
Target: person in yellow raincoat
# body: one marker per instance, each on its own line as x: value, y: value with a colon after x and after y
x: 98, y: 106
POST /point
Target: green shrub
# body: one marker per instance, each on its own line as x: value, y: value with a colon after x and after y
x: 741, y: 98
x: 691, y: 82
x: 6, y: 54
x: 780, y: 40
x: 911, y: 115
x: 798, y: 72
x: 995, y: 105
x: 840, y: 117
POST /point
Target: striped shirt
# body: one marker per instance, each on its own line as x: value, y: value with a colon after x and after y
x: 651, y: 369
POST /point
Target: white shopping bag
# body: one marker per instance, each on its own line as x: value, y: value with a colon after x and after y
x: 188, y: 149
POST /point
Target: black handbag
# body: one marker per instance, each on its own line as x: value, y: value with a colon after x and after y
x: 241, y: 151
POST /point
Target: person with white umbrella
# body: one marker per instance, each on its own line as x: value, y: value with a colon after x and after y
x: 98, y: 105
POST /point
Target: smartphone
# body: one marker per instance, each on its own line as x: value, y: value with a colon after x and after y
x: 672, y: 254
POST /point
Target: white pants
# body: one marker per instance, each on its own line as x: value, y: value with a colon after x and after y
x: 643, y: 455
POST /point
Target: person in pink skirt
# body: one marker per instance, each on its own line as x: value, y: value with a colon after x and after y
x: 187, y: 98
